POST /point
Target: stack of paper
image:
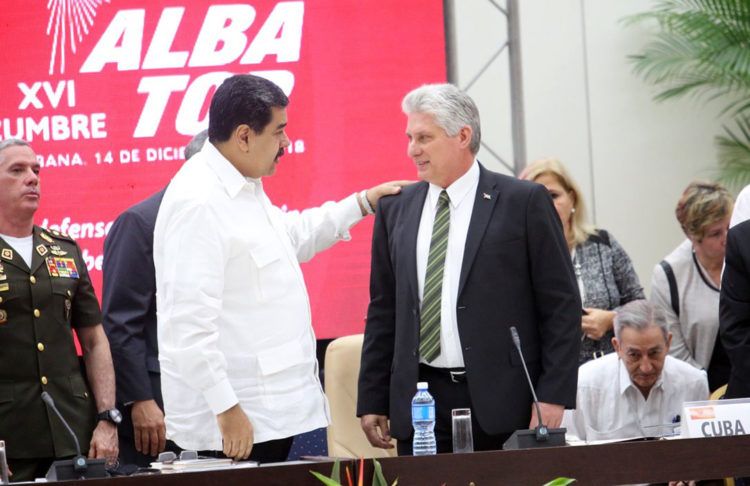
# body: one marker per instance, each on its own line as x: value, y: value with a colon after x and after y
x: 208, y: 464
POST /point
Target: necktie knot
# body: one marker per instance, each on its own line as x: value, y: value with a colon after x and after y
x: 444, y: 199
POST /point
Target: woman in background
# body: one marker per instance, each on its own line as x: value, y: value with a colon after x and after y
x: 691, y: 300
x: 605, y: 274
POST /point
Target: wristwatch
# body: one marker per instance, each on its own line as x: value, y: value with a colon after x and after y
x: 112, y: 415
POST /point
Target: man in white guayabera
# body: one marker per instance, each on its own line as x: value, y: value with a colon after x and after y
x: 236, y: 345
x: 638, y: 391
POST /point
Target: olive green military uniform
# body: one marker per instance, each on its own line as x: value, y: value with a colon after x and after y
x: 39, y: 308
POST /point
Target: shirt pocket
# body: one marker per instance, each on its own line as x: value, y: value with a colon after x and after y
x: 272, y: 276
x: 78, y: 387
x: 283, y: 371
x: 62, y: 300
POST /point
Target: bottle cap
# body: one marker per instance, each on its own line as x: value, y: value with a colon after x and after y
x: 422, y: 385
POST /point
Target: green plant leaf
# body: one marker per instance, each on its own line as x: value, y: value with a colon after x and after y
x: 560, y: 482
x: 701, y: 49
x: 378, y: 479
x: 377, y: 476
x: 734, y: 154
x: 336, y: 471
x: 325, y: 480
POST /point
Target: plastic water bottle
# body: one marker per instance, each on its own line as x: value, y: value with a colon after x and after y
x: 423, y: 421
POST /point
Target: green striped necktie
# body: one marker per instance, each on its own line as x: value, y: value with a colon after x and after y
x: 429, y: 332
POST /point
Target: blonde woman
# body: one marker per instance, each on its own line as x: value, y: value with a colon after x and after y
x: 605, y: 274
x: 691, y: 300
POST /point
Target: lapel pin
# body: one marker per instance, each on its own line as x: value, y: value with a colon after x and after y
x: 486, y: 196
x: 7, y: 253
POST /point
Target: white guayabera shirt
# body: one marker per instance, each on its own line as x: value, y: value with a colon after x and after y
x: 609, y: 406
x: 234, y: 321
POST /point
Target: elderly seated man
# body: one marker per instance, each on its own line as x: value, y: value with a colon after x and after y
x: 638, y: 391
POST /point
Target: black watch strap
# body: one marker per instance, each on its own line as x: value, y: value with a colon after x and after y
x: 112, y: 415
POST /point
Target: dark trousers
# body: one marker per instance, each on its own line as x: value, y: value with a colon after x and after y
x: 449, y: 392
x: 29, y: 469
x: 263, y: 452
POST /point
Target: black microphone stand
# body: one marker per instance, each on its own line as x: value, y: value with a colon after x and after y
x: 79, y: 467
x: 540, y: 436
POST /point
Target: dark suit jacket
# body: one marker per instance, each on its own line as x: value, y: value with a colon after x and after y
x: 129, y: 302
x: 734, y: 309
x: 516, y: 271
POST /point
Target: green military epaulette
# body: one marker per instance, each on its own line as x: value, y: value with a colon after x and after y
x: 48, y: 235
x: 56, y: 242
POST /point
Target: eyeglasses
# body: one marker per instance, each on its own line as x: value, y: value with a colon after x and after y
x: 169, y: 457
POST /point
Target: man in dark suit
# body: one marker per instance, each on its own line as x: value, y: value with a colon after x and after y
x: 734, y: 309
x: 456, y: 261
x: 129, y: 307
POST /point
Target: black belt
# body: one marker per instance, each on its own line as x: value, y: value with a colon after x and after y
x: 455, y: 375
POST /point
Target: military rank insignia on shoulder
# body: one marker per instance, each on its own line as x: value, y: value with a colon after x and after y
x: 58, y: 235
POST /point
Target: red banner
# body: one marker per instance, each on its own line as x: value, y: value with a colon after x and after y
x: 109, y: 92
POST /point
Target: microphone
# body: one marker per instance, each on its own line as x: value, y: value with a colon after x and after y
x: 79, y: 462
x: 541, y: 436
x: 78, y: 467
x: 542, y: 433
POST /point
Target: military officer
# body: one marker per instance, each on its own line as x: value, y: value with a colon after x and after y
x: 45, y: 294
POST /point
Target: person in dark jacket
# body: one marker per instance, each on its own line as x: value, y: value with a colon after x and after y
x: 457, y: 260
x: 734, y: 310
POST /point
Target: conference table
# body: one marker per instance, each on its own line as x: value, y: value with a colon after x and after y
x: 616, y: 463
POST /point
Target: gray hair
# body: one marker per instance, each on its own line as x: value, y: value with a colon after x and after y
x: 640, y: 315
x: 196, y: 144
x: 451, y: 108
x: 13, y: 142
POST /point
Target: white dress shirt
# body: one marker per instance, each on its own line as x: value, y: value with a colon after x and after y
x: 609, y: 406
x: 461, y: 194
x: 24, y: 246
x: 234, y: 321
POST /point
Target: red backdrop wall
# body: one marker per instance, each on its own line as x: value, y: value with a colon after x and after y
x: 108, y: 93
